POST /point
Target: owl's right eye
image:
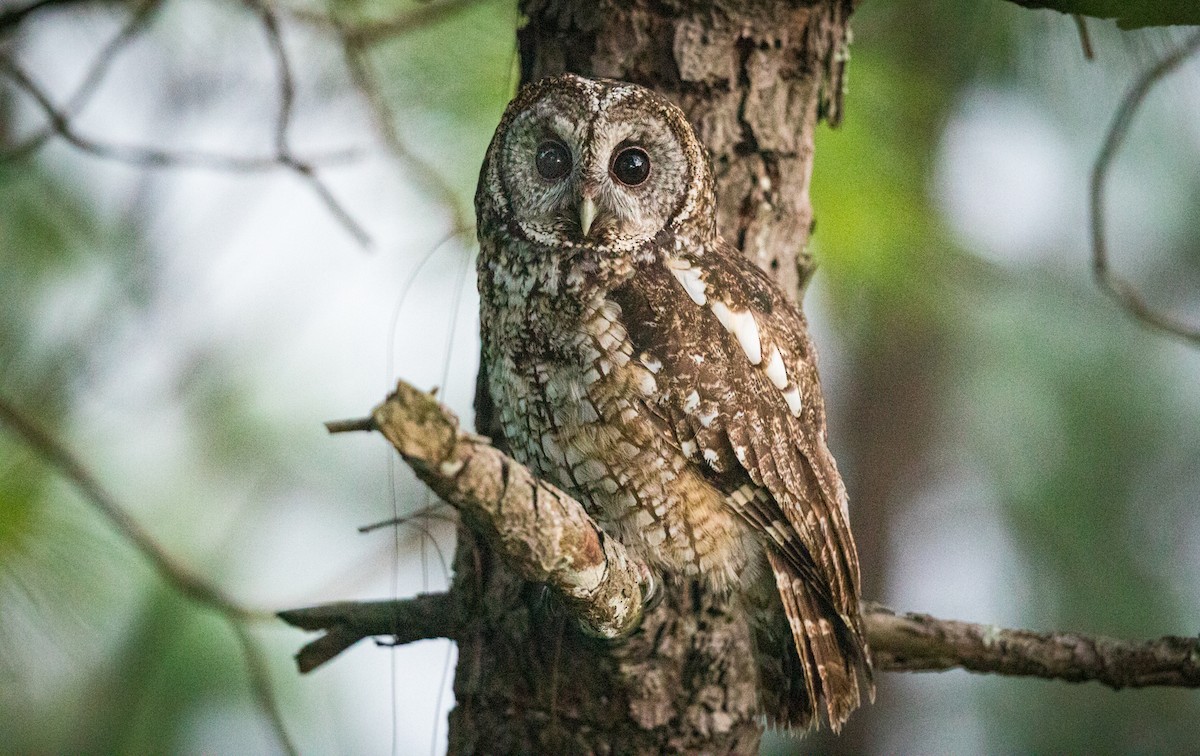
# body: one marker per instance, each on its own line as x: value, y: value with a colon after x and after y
x: 553, y: 160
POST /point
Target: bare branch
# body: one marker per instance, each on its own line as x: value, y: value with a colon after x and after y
x: 433, y: 181
x: 260, y: 682
x: 1085, y: 38
x: 189, y: 585
x: 60, y: 121
x: 145, y: 157
x: 899, y: 643
x: 96, y: 72
x: 545, y: 536
x: 541, y: 533
x: 431, y: 615
x: 404, y: 23
x: 424, y: 513
x: 348, y: 426
x: 283, y: 122
x: 920, y: 643
x: 370, y: 33
x: 13, y: 17
x: 1119, y: 288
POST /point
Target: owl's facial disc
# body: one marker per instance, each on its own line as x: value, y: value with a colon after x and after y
x: 599, y: 165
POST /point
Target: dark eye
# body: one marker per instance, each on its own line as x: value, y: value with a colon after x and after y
x: 631, y: 166
x: 553, y: 160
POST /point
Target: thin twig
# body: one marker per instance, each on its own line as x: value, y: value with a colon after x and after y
x: 369, y: 33
x: 349, y: 426
x: 1085, y: 39
x: 384, y: 120
x: 428, y: 512
x: 190, y: 586
x: 260, y: 683
x: 96, y: 73
x: 418, y: 18
x: 1119, y: 288
x: 283, y: 122
x: 145, y: 157
x: 12, y: 18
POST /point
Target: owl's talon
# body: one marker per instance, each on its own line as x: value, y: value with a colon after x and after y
x: 652, y: 592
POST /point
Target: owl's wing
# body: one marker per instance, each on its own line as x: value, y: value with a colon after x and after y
x: 738, y: 394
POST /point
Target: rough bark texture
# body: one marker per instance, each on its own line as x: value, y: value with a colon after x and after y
x: 753, y: 77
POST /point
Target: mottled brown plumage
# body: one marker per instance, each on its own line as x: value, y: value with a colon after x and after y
x: 642, y: 364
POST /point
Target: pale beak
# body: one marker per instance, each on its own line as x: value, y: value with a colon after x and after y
x: 587, y: 214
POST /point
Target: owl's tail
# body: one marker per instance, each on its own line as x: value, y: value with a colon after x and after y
x: 829, y: 659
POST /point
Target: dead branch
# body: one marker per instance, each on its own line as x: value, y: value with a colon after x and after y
x: 59, y: 121
x: 920, y: 643
x: 547, y: 537
x: 430, y: 615
x: 13, y: 17
x: 145, y: 157
x: 541, y: 533
x: 189, y: 585
x: 368, y: 33
x: 283, y: 122
x: 1121, y: 289
x: 899, y: 643
x: 96, y: 73
x: 385, y: 123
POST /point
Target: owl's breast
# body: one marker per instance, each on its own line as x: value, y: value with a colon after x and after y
x: 575, y: 405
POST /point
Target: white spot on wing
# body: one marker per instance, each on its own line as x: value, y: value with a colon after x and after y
x: 723, y: 314
x: 775, y: 369
x: 691, y: 402
x: 743, y: 326
x: 652, y: 364
x: 792, y: 396
x: 688, y: 448
x: 689, y: 278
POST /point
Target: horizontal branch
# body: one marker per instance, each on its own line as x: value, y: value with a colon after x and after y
x: 920, y: 643
x: 546, y: 536
x: 430, y: 615
x: 899, y: 643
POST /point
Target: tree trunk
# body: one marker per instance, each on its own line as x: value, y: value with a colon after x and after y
x: 754, y: 77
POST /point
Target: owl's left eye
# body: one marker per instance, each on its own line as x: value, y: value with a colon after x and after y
x: 553, y: 160
x: 631, y: 166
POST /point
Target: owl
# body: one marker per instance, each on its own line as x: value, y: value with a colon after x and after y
x: 642, y: 364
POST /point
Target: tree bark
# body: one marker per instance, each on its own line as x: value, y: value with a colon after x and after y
x: 754, y: 77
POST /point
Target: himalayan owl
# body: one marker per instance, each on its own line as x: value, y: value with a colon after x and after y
x: 642, y: 364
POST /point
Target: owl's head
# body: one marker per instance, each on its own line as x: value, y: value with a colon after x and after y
x: 589, y: 163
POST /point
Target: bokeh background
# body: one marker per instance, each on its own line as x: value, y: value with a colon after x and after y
x: 1018, y: 450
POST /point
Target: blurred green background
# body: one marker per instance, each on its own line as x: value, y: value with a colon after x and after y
x: 1018, y: 451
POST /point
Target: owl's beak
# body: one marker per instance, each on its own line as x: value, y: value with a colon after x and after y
x: 587, y: 214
